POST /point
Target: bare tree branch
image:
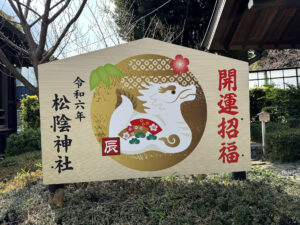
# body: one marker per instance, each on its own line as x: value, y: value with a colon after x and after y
x: 59, y: 11
x: 14, y: 8
x: 151, y: 21
x: 98, y: 25
x: 148, y: 14
x: 58, y: 3
x: 27, y: 9
x: 52, y: 7
x: 12, y: 44
x: 44, y: 29
x: 39, y: 18
x: 24, y: 24
x: 41, y: 41
x: 258, y: 56
x: 181, y: 32
x: 64, y: 46
x: 52, y: 50
x: 33, y: 23
x: 15, y: 73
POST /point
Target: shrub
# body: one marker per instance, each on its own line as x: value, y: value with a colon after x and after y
x: 281, y: 103
x: 30, y: 114
x: 276, y: 100
x: 257, y: 101
x: 10, y: 165
x: 263, y: 198
x: 283, y: 145
x: 25, y: 141
x: 255, y: 130
x: 293, y: 102
x: 270, y: 127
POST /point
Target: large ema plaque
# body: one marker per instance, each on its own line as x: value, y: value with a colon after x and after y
x: 141, y: 109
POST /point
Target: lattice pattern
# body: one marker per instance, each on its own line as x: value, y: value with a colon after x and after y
x: 150, y: 64
x: 133, y: 82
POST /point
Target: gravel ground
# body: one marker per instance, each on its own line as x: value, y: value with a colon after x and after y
x: 291, y: 169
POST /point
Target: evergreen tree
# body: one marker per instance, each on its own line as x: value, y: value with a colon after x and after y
x: 181, y: 22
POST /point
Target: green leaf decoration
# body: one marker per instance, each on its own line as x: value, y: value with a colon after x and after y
x: 94, y: 79
x: 113, y: 70
x: 103, y: 74
x: 134, y: 141
x: 140, y: 135
x: 151, y: 137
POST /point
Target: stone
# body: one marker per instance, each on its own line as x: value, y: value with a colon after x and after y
x: 58, y: 197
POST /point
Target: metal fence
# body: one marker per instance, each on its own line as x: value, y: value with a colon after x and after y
x: 281, y: 78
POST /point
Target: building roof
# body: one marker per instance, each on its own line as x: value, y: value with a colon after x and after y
x: 11, y: 33
x: 267, y: 24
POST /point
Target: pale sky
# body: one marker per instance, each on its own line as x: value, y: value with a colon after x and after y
x: 90, y: 38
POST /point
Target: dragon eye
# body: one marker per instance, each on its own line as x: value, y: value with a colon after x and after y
x: 173, y: 92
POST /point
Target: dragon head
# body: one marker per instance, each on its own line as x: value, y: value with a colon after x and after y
x: 167, y: 96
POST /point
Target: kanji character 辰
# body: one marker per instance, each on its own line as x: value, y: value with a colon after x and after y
x: 111, y: 146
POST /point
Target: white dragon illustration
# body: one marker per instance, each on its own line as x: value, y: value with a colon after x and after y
x: 162, y: 106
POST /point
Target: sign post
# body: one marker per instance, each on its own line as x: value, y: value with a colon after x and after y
x: 142, y: 109
x: 264, y: 117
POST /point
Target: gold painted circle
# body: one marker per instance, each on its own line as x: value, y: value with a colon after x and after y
x: 136, y: 70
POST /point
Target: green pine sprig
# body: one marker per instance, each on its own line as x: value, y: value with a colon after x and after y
x: 103, y: 74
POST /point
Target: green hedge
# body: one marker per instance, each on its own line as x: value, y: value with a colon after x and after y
x: 257, y: 101
x: 30, y: 115
x: 255, y: 129
x: 270, y: 127
x: 25, y: 141
x: 283, y: 145
x: 281, y: 103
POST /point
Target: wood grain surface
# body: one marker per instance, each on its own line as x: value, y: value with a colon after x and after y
x: 85, y: 152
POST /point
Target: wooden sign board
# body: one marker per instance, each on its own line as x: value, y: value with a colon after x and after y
x: 142, y: 109
x: 264, y: 116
